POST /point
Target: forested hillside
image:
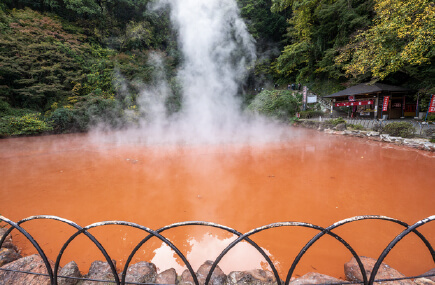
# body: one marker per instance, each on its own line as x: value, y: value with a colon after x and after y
x: 65, y: 65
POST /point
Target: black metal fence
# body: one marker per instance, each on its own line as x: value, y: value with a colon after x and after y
x: 52, y: 273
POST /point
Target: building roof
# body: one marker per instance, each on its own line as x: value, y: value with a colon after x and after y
x: 367, y: 88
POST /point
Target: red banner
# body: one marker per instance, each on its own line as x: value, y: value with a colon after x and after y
x: 385, y: 104
x: 432, y: 104
x: 356, y: 103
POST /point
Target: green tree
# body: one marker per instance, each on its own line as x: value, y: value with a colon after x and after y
x: 278, y: 104
x: 317, y: 30
x: 40, y: 61
x: 263, y: 25
x: 401, y: 38
x: 267, y: 29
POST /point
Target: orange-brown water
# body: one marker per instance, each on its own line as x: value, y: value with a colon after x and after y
x: 312, y: 177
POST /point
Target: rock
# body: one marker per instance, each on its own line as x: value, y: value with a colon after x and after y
x: 69, y: 270
x: 359, y: 134
x: 385, y: 138
x: 430, y: 272
x: 32, y: 263
x: 186, y: 278
x: 101, y: 271
x: 167, y: 277
x: 397, y: 140
x: 141, y: 272
x: 315, y: 278
x: 217, y: 278
x: 8, y: 241
x: 341, y: 127
x: 353, y: 273
x: 373, y: 134
x: 375, y: 138
x: 252, y: 277
x: 423, y: 281
x: 415, y: 143
x: 7, y: 255
x: 429, y: 146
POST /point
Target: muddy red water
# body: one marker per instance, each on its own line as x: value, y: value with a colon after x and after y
x: 311, y: 177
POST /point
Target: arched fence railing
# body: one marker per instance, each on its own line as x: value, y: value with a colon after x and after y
x: 52, y: 273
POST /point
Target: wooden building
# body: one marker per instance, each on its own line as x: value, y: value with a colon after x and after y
x: 375, y: 101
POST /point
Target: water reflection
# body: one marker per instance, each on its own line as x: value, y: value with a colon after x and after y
x: 208, y: 247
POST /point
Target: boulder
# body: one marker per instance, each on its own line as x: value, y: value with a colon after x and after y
x: 315, y: 278
x: 99, y: 270
x: 385, y: 138
x: 8, y: 241
x: 340, y: 127
x: 141, y: 272
x: 7, y: 255
x: 424, y: 281
x: 429, y: 273
x: 373, y: 134
x: 167, y: 277
x: 251, y: 277
x: 353, y: 273
x: 32, y: 263
x: 397, y: 140
x: 186, y: 278
x: 217, y: 278
x: 69, y: 270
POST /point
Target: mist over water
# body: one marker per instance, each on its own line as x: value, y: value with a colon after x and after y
x: 216, y: 52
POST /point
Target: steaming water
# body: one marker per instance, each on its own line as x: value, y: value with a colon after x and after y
x: 217, y: 50
x: 312, y: 177
x: 211, y: 162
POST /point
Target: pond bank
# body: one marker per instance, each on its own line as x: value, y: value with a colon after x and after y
x: 342, y: 129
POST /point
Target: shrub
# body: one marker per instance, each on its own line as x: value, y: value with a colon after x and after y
x: 335, y: 122
x: 278, y: 104
x: 28, y: 124
x: 311, y: 124
x: 399, y: 129
x: 311, y: 114
x: 430, y: 133
x: 4, y: 107
x: 357, y: 127
x: 431, y: 118
x: 62, y: 119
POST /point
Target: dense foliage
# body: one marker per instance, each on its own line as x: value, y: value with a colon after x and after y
x: 399, y: 129
x: 311, y: 114
x: 317, y: 30
x: 67, y: 73
x: 345, y: 42
x: 66, y: 65
x: 279, y: 104
x: 401, y: 38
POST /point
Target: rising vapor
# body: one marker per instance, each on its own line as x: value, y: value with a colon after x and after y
x: 217, y: 50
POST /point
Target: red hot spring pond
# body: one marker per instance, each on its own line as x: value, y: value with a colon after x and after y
x: 308, y: 177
